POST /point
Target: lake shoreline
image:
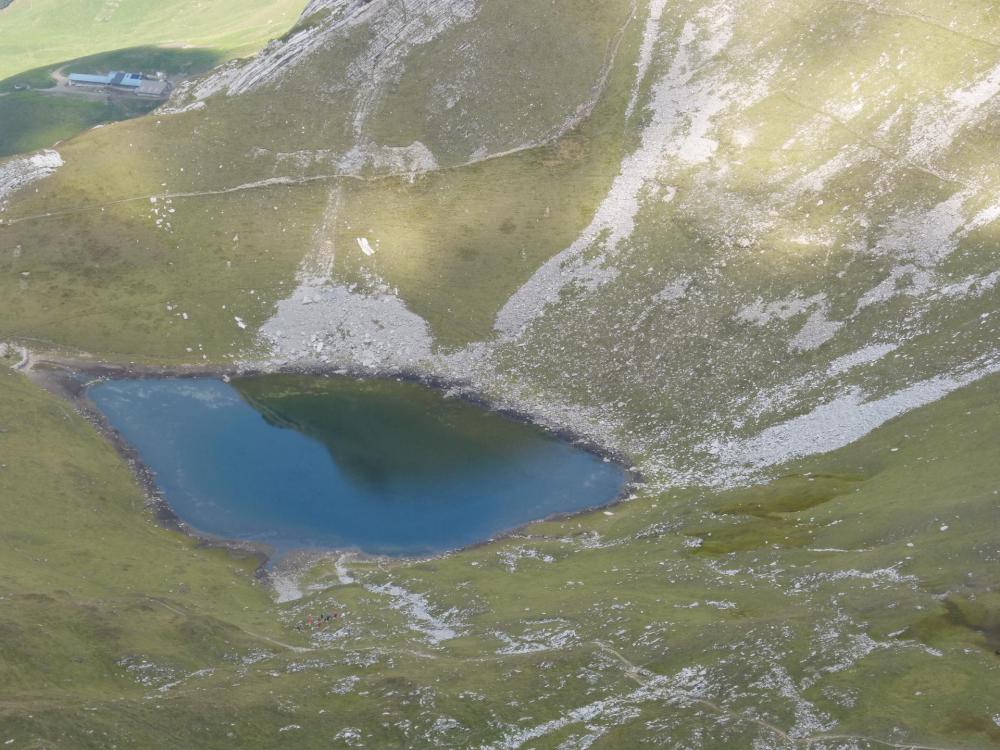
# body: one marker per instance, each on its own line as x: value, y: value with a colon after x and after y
x: 69, y: 379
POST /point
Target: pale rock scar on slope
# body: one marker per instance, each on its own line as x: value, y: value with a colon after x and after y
x: 327, y: 323
x: 922, y: 239
x: 267, y: 66
x: 395, y: 32
x: 334, y: 324
x: 650, y: 36
x: 917, y: 241
x: 837, y: 423
x: 395, y: 29
x: 938, y: 124
x: 680, y: 98
x: 21, y: 172
x: 436, y: 628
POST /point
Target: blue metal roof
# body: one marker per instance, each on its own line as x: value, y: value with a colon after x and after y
x: 85, y: 78
x: 115, y: 78
x: 128, y: 80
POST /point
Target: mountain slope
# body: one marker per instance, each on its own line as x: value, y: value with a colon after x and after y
x: 770, y: 189
x: 717, y: 238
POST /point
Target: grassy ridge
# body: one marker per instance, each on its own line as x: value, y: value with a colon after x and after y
x: 180, y: 283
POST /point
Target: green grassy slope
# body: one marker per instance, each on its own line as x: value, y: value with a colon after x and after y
x: 31, y: 120
x: 878, y: 581
x: 89, y: 583
x: 42, y: 32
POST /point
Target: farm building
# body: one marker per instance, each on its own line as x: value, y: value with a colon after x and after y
x: 84, y: 79
x: 154, y: 89
x: 130, y: 81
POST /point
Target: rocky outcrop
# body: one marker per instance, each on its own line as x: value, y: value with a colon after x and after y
x: 22, y: 171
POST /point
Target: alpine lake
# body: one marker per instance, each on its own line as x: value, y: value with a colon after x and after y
x: 380, y: 466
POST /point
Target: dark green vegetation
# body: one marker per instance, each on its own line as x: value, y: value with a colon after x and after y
x: 789, y: 494
x: 173, y: 61
x: 380, y: 429
x: 217, y: 259
x: 40, y: 78
x: 978, y: 618
x: 31, y: 120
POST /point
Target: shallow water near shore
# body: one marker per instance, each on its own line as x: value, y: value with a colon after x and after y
x: 385, y: 467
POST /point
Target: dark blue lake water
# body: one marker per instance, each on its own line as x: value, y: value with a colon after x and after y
x: 321, y: 463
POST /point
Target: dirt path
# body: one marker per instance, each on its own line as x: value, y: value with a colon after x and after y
x: 59, y: 77
x: 282, y: 181
x: 257, y: 636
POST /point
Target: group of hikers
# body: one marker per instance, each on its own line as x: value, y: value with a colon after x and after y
x: 319, y: 622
